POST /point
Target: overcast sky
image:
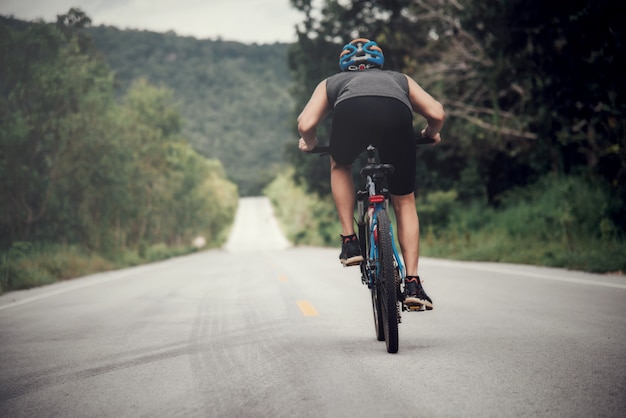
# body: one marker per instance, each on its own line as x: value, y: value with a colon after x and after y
x: 261, y: 21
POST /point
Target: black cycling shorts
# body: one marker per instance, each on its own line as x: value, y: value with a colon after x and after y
x: 383, y: 122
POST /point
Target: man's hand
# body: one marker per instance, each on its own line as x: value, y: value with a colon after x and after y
x: 436, y: 139
x: 309, y: 146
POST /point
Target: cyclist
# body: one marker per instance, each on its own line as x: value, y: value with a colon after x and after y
x: 373, y: 106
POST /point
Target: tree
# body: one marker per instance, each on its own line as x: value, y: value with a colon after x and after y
x: 77, y: 168
x: 519, y: 80
x: 574, y: 51
x: 52, y: 95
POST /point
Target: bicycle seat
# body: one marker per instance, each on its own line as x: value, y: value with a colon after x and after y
x: 374, y: 169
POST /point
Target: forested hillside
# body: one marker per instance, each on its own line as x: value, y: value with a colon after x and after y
x: 234, y: 98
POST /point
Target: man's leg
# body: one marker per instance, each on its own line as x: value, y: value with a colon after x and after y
x: 343, y: 194
x: 409, y: 236
x: 408, y: 230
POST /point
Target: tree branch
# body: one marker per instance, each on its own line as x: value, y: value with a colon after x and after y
x: 493, y: 128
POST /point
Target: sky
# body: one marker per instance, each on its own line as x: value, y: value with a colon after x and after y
x: 248, y: 21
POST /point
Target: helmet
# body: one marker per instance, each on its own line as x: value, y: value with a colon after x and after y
x: 361, y: 54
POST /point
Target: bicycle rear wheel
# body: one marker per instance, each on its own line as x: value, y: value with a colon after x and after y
x: 378, y: 314
x: 386, y: 282
x: 364, y: 239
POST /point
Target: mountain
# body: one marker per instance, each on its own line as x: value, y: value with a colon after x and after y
x: 234, y: 98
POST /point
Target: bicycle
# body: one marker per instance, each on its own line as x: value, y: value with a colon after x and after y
x: 382, y: 270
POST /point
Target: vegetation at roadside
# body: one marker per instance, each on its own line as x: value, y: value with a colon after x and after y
x: 533, y: 164
x: 88, y: 182
x: 97, y: 170
x: 545, y: 224
x: 558, y: 222
x: 28, y: 265
x: 306, y: 219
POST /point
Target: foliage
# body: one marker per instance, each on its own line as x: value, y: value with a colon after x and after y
x: 233, y: 98
x: 173, y: 187
x: 533, y: 161
x: 559, y: 221
x: 530, y: 88
x: 538, y: 225
x: 436, y: 208
x: 26, y: 265
x: 305, y: 218
x: 78, y: 171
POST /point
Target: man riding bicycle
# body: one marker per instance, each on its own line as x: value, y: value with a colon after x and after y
x: 373, y: 106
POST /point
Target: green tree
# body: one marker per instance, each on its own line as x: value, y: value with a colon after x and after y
x: 529, y: 87
x: 574, y: 53
x: 53, y: 98
x: 233, y: 98
x: 174, y: 190
x: 77, y: 168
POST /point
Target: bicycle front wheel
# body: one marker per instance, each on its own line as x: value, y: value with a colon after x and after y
x: 386, y: 282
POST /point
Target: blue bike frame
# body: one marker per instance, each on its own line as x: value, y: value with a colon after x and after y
x: 373, y: 255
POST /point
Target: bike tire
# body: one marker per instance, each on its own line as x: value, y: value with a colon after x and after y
x: 364, y: 239
x: 386, y: 285
x: 378, y: 314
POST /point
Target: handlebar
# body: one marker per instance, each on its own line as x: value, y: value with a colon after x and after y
x: 424, y: 140
x: 325, y: 149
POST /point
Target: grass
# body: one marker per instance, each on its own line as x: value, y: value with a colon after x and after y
x: 558, y: 222
x: 595, y: 255
x: 26, y: 265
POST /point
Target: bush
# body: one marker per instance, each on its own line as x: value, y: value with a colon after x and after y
x: 162, y: 251
x: 25, y: 265
x: 557, y: 207
x: 558, y: 222
x: 305, y: 218
x: 435, y: 210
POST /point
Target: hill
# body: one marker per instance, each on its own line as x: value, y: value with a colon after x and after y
x: 233, y: 97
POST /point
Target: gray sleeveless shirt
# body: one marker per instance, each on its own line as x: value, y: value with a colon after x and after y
x: 371, y: 82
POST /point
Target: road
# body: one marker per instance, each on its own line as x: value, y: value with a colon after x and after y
x: 269, y: 330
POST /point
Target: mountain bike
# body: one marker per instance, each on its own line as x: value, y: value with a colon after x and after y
x: 382, y: 270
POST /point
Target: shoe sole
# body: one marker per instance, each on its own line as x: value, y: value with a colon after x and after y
x: 415, y: 304
x: 352, y: 261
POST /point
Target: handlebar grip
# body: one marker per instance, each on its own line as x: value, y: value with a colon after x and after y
x: 424, y: 140
x: 323, y: 150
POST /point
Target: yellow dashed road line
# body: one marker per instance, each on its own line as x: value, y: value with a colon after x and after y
x: 307, y: 309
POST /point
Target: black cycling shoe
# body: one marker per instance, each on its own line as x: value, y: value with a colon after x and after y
x: 350, y: 251
x: 416, y: 298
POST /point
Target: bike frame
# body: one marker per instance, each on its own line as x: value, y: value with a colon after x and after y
x: 379, y: 267
x: 369, y: 219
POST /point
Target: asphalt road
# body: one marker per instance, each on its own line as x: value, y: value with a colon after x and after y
x: 261, y: 329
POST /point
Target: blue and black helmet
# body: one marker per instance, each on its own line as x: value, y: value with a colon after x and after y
x: 361, y: 54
